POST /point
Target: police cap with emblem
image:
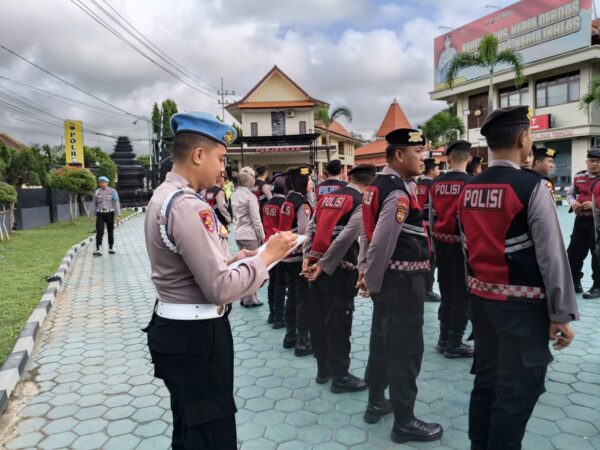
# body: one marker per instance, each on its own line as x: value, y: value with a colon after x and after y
x: 508, y: 116
x: 363, y: 169
x: 431, y: 163
x: 204, y: 124
x: 593, y: 152
x: 405, y: 137
x: 334, y: 167
x: 458, y: 145
x: 543, y: 152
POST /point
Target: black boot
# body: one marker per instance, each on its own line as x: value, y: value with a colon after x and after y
x: 323, y: 374
x: 415, y: 430
x: 431, y: 296
x: 455, y: 348
x: 347, y: 383
x: 278, y: 323
x: 442, y: 340
x: 289, y: 341
x: 97, y: 252
x: 377, y: 407
x: 578, y: 287
x: 594, y: 292
x: 111, y: 251
x: 303, y: 344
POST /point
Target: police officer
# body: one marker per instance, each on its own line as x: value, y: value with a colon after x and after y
x: 261, y: 188
x: 277, y: 283
x: 543, y: 163
x: 474, y: 167
x: 445, y: 232
x: 215, y: 197
x: 432, y: 170
x: 331, y: 258
x: 189, y: 335
x: 520, y: 284
x: 333, y: 181
x: 105, y: 205
x: 579, y: 196
x: 397, y: 259
x: 295, y: 215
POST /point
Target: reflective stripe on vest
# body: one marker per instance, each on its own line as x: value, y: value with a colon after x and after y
x: 410, y: 266
x: 507, y: 290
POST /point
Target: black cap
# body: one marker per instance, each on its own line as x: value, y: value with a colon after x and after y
x: 593, y: 152
x: 430, y: 163
x: 457, y: 145
x: 334, y: 167
x: 366, y: 169
x: 405, y: 137
x: 475, y: 161
x: 301, y: 170
x: 543, y: 152
x: 502, y: 117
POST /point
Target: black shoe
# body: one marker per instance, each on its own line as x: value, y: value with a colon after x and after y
x: 253, y: 305
x: 376, y: 411
x: 578, y: 287
x: 277, y: 324
x: 323, y: 375
x: 432, y: 297
x: 111, y: 251
x: 270, y: 318
x: 303, y: 344
x: 441, y: 345
x: 459, y: 351
x: 347, y: 383
x: 289, y: 341
x: 594, y: 292
x: 416, y: 430
x: 97, y: 253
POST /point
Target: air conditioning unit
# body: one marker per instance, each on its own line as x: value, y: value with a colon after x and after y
x: 290, y: 113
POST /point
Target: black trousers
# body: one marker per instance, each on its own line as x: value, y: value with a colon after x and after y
x: 195, y: 360
x: 108, y: 219
x: 297, y: 305
x: 452, y: 312
x: 511, y: 358
x: 583, y: 240
x: 430, y: 276
x: 396, y: 346
x: 276, y: 292
x: 332, y: 306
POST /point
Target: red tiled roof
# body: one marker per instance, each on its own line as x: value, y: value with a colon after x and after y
x: 393, y: 119
x: 285, y: 104
x: 11, y: 142
x: 337, y: 128
x: 372, y: 148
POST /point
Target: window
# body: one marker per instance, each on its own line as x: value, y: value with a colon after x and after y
x: 557, y: 90
x: 302, y: 126
x: 478, y: 107
x: 278, y: 123
x: 341, y: 148
x: 514, y: 97
x: 253, y: 128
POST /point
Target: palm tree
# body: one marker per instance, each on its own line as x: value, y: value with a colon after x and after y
x: 442, y: 128
x: 593, y: 95
x: 487, y: 57
x: 325, y: 117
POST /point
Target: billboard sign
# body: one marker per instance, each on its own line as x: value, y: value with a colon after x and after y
x: 541, y: 122
x: 74, y: 142
x: 538, y: 29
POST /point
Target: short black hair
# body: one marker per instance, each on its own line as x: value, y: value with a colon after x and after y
x: 261, y: 170
x: 390, y: 151
x: 185, y: 142
x: 460, y: 156
x: 362, y: 178
x: 500, y: 138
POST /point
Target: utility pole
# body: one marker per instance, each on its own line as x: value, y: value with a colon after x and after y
x: 223, y: 93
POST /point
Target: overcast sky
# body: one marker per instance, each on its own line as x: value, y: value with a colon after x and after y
x: 358, y: 53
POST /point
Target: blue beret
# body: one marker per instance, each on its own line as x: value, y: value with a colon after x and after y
x: 103, y: 178
x: 205, y: 124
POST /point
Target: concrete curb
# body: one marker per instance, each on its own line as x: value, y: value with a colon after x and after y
x: 14, y: 367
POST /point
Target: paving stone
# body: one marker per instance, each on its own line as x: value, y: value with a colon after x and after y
x: 89, y: 441
x: 59, y: 425
x: 57, y: 441
x: 90, y: 426
x: 26, y: 440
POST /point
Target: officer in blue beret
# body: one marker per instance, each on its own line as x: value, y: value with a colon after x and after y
x: 105, y: 206
x: 189, y: 336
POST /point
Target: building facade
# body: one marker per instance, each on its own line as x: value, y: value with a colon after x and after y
x: 281, y: 130
x: 561, y: 60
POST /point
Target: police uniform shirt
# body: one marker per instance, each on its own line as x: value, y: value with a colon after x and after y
x: 267, y: 192
x: 550, y: 252
x: 571, y: 194
x: 198, y: 273
x: 222, y: 206
x: 303, y: 216
x: 376, y: 255
x: 334, y: 255
x: 105, y: 199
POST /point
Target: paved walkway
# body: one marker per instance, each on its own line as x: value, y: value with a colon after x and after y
x: 96, y: 388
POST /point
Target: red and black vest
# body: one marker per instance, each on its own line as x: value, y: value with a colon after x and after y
x: 270, y: 215
x: 329, y: 186
x: 411, y: 252
x: 211, y: 199
x: 445, y: 192
x: 257, y: 190
x: 423, y: 190
x: 501, y: 259
x: 582, y: 184
x: 332, y: 215
x: 288, y: 216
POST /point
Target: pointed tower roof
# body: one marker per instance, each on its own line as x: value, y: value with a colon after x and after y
x: 393, y: 119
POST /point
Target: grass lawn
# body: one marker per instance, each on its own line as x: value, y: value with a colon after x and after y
x: 25, y: 261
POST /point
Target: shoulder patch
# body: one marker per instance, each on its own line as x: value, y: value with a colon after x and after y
x: 307, y: 210
x: 223, y: 231
x: 207, y: 219
x: 402, y: 205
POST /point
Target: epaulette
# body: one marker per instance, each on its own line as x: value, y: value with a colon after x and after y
x: 581, y: 172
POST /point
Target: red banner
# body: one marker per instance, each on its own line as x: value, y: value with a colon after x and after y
x: 540, y: 122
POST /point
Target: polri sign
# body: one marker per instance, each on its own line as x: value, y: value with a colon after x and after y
x: 74, y: 142
x: 537, y: 29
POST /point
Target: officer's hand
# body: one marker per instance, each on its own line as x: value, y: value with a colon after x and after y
x: 576, y: 207
x: 313, y: 272
x: 278, y: 245
x: 586, y: 205
x: 304, y: 265
x: 562, y: 333
x: 310, y: 187
x: 360, y: 283
x: 241, y: 255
